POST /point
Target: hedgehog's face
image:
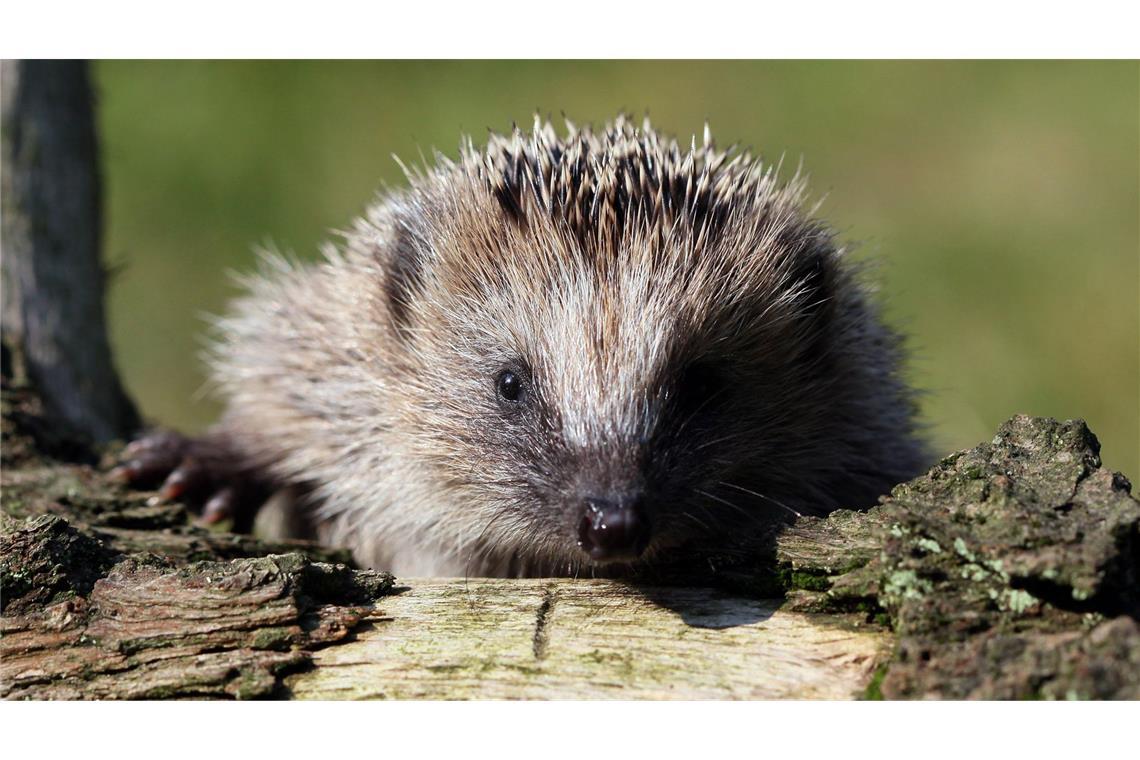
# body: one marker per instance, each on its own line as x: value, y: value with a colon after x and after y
x: 606, y: 425
x: 614, y: 346
x: 601, y: 419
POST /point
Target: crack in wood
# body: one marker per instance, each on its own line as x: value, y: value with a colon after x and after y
x: 541, y: 623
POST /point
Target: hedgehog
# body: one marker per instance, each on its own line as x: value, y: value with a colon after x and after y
x: 554, y: 355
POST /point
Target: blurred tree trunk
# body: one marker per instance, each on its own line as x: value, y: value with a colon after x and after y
x: 53, y: 314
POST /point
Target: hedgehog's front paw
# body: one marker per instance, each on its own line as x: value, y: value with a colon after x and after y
x: 202, y: 472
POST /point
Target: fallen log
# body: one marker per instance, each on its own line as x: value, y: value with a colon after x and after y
x: 1009, y: 570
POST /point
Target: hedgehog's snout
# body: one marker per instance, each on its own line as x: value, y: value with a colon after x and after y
x: 614, y: 529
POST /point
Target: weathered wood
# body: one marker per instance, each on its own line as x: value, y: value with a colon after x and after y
x: 53, y: 314
x: 147, y: 629
x: 1008, y: 571
x: 592, y: 639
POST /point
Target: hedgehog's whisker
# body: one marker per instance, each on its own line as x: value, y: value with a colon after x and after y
x: 698, y: 521
x: 722, y: 439
x: 727, y: 503
x: 777, y: 502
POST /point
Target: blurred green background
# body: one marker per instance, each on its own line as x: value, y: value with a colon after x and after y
x: 1002, y: 199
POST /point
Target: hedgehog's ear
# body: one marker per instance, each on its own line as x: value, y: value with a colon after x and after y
x: 403, y: 259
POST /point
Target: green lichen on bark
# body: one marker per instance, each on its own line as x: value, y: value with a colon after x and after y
x: 46, y: 560
x: 1011, y: 570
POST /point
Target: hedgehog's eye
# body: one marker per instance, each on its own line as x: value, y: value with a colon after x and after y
x: 509, y: 386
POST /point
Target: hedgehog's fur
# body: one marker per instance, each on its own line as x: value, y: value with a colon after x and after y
x: 678, y: 317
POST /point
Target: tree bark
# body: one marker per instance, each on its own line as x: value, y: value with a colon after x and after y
x: 53, y: 316
x: 1010, y: 570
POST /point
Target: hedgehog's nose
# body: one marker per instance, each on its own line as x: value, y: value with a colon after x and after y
x: 614, y: 530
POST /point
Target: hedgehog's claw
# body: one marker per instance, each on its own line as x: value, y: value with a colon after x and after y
x: 220, y: 506
x: 186, y: 479
x: 203, y: 473
x: 151, y: 459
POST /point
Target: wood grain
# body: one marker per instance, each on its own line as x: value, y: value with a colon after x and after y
x: 590, y: 639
